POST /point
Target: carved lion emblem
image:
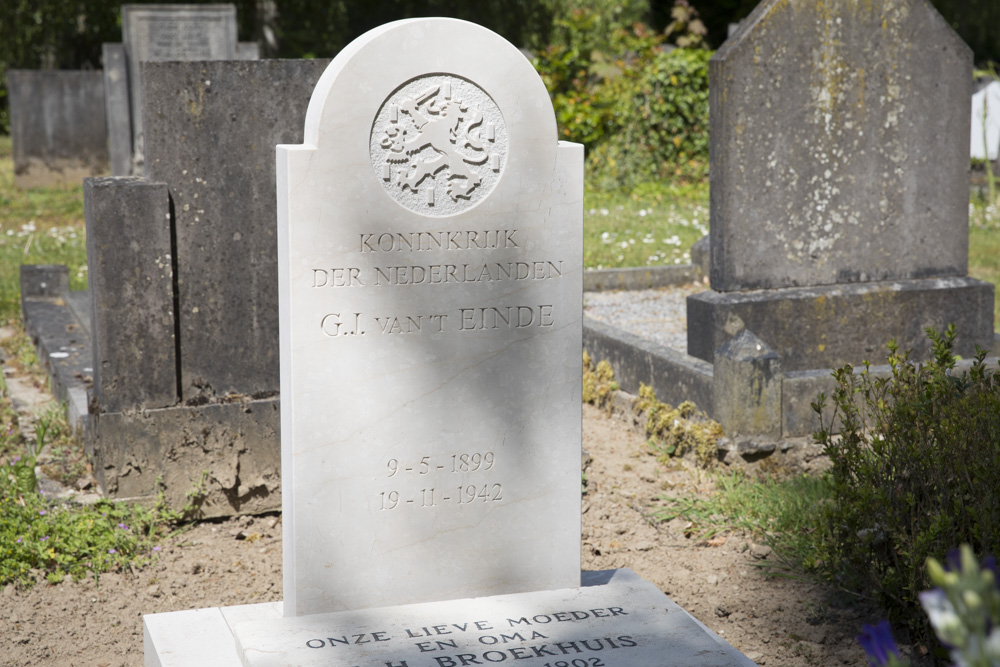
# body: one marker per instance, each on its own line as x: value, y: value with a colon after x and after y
x: 438, y: 144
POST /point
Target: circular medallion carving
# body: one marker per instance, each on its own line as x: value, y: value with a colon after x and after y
x: 438, y: 144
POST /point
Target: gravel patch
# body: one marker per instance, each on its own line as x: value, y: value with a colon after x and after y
x: 659, y: 315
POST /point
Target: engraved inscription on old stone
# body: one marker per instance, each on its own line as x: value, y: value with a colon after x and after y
x: 438, y: 145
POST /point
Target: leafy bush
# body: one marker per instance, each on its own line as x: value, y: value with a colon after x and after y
x: 916, y: 470
x: 640, y: 109
x: 659, y: 122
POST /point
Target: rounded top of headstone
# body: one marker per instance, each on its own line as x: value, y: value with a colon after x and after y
x: 435, y: 112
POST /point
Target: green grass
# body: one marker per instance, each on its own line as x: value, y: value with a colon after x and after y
x: 654, y: 226
x: 984, y: 249
x: 786, y: 515
x: 40, y: 537
x: 37, y: 226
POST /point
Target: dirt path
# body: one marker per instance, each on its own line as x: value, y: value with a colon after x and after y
x: 776, y: 622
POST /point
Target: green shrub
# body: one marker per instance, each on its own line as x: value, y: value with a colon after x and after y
x: 916, y: 471
x: 640, y: 110
x: 659, y: 122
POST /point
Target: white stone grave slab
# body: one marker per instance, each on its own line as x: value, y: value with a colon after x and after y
x: 985, y: 139
x: 623, y: 621
x: 430, y: 276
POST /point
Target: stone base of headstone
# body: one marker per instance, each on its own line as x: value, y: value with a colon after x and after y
x: 218, y: 459
x: 678, y: 377
x: 828, y: 326
x: 615, y: 618
x: 746, y: 391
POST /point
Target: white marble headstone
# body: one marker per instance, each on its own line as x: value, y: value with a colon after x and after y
x: 985, y: 140
x: 430, y: 262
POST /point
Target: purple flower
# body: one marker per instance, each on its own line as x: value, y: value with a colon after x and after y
x: 19, y: 540
x: 45, y: 538
x: 154, y: 548
x: 878, y: 643
x: 42, y: 513
x: 123, y: 526
x: 112, y: 551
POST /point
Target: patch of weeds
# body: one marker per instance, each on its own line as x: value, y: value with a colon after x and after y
x: 598, y: 382
x: 21, y: 354
x: 677, y: 431
x: 65, y: 460
x: 11, y: 439
x: 42, y: 538
x: 786, y: 515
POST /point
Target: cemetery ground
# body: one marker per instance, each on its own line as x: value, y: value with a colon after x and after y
x: 713, y: 557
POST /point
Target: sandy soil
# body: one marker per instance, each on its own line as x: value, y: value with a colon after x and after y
x: 777, y: 622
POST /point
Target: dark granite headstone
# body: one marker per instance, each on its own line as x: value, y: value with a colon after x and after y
x: 211, y: 128
x: 131, y: 288
x: 57, y: 126
x: 116, y: 106
x: 155, y: 33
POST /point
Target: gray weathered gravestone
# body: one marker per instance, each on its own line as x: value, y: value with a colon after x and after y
x: 57, y: 126
x: 116, y: 106
x: 186, y: 361
x: 840, y: 184
x: 154, y: 33
x: 131, y: 287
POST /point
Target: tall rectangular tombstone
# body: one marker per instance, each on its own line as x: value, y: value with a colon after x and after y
x: 116, y: 108
x: 430, y: 290
x: 156, y: 33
